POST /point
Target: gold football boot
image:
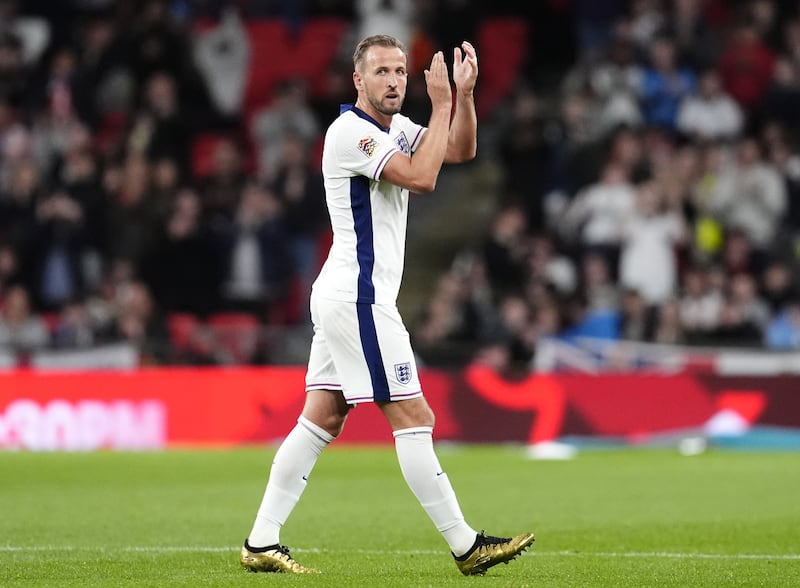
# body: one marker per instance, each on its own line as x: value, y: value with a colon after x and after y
x: 489, y: 551
x: 274, y: 558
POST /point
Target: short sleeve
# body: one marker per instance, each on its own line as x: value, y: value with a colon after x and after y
x: 364, y: 149
x: 414, y: 132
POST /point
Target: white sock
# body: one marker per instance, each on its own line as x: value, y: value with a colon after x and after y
x: 293, y: 463
x: 430, y: 485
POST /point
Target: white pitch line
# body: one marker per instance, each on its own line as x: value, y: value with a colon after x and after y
x: 602, y: 554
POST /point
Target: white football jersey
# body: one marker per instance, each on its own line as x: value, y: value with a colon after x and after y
x: 368, y: 215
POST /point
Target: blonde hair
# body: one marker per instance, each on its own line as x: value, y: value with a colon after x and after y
x: 375, y: 41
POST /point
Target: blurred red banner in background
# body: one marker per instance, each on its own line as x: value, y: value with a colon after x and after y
x: 154, y: 408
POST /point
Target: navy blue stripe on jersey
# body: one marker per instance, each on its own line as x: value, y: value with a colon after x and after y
x: 361, y: 114
x: 365, y: 248
x: 372, y: 352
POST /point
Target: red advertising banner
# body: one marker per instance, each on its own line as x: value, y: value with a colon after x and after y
x: 154, y: 408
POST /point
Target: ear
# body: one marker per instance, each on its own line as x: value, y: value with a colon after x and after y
x: 357, y: 81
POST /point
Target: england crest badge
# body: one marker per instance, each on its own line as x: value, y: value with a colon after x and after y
x: 402, y: 143
x: 403, y: 372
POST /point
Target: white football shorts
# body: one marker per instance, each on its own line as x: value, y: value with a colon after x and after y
x: 361, y: 349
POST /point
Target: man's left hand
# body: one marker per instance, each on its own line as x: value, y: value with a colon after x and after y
x: 465, y: 68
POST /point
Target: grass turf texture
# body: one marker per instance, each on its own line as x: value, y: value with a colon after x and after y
x: 608, y: 518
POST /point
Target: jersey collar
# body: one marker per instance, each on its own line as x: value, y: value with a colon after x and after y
x: 360, y: 113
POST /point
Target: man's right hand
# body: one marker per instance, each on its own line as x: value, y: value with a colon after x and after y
x: 438, y: 83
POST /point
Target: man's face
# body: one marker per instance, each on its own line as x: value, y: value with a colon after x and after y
x: 382, y: 79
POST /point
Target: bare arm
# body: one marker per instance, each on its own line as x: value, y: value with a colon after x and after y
x: 462, y: 142
x: 419, y: 173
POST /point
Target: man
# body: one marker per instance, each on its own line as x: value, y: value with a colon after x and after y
x: 360, y: 351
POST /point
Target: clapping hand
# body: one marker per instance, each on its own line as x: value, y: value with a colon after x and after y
x: 438, y: 82
x: 465, y: 68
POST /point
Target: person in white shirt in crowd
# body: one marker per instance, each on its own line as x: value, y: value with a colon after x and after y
x: 756, y: 199
x: 596, y: 216
x: 711, y: 114
x: 648, y: 262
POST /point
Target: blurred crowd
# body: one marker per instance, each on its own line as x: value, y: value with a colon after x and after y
x: 652, y: 195
x: 156, y: 188
x: 159, y: 175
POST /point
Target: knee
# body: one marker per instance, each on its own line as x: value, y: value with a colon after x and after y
x: 427, y: 418
x: 333, y: 424
x: 408, y: 414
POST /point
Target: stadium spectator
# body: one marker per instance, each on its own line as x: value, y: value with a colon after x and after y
x: 183, y: 268
x: 668, y: 329
x: 711, y: 114
x: 18, y: 197
x: 20, y: 328
x: 746, y: 65
x: 700, y: 305
x: 222, y: 56
x: 646, y: 20
x: 33, y: 32
x: 651, y: 235
x: 161, y: 127
x: 550, y: 266
x: 696, y: 35
x: 57, y: 274
x: 783, y: 331
x: 665, y: 85
x: 14, y: 73
x: 778, y: 285
x: 737, y: 255
x: 783, y: 93
x: 166, y: 182
x: 388, y: 17
x: 505, y: 251
x: 15, y: 137
x: 222, y: 188
x: 525, y: 155
x: 744, y: 296
x: 756, y: 200
x: 338, y: 90
x: 104, y: 87
x: 9, y: 270
x: 154, y: 45
x: 615, y: 82
x: 598, y: 214
x: 787, y: 162
x: 450, y: 324
x: 637, y: 318
x: 255, y: 254
x: 131, y: 225
x: 288, y: 113
x: 594, y: 20
x: 518, y: 331
x: 138, y: 321
x: 299, y: 189
x: 597, y: 283
x: 73, y: 328
x: 733, y: 328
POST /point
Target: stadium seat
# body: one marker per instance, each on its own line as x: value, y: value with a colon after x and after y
x: 239, y: 333
x: 501, y: 44
x: 180, y: 326
x: 277, y: 54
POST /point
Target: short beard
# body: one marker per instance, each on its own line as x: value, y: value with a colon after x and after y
x: 377, y: 105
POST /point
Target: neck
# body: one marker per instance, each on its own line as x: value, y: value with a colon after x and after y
x: 385, y: 120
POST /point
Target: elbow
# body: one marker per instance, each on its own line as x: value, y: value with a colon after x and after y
x: 464, y: 155
x: 424, y: 187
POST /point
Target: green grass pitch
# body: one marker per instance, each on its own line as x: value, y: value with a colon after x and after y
x: 623, y: 517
